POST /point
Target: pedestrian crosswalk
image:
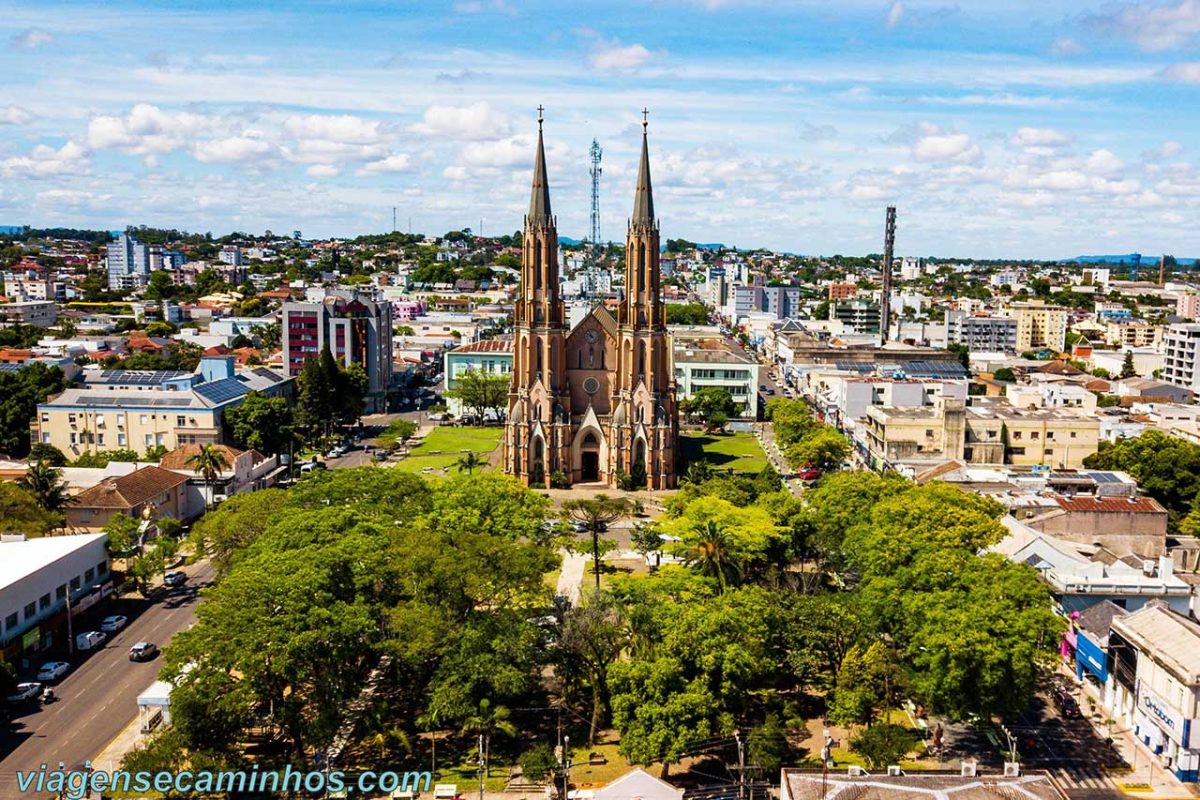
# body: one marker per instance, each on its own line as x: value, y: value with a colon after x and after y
x: 1083, y: 778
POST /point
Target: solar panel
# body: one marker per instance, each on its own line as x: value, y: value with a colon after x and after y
x: 269, y: 374
x: 221, y: 391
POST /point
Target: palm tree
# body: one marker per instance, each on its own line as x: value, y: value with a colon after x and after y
x: 208, y: 461
x: 593, y: 516
x: 712, y: 554
x: 45, y: 483
x: 470, y: 461
x: 488, y: 721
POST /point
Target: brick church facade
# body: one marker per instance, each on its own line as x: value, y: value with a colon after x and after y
x: 598, y: 401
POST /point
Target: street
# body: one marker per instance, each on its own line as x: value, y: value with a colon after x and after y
x: 98, y: 698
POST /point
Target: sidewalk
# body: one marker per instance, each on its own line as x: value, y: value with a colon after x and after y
x: 570, y: 576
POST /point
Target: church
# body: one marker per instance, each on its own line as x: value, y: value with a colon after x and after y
x: 596, y: 403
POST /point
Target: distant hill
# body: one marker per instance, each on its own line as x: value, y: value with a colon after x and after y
x: 1147, y: 261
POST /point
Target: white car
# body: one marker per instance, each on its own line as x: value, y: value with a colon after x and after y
x: 113, y: 624
x: 174, y: 579
x: 24, y: 692
x: 53, y: 670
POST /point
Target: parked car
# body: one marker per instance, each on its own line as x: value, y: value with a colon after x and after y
x: 175, y: 578
x: 143, y: 651
x: 113, y: 624
x: 89, y: 640
x: 25, y: 692
x: 53, y: 670
x: 809, y: 474
x: 312, y: 466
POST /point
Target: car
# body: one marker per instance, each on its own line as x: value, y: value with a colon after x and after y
x: 143, y: 651
x: 809, y: 474
x: 25, y: 692
x: 53, y: 670
x: 175, y: 578
x: 312, y: 466
x: 113, y: 624
x: 89, y: 640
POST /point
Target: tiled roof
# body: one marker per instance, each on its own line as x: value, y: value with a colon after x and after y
x: 130, y: 491
x: 1111, y: 505
x: 502, y: 344
x: 178, y: 458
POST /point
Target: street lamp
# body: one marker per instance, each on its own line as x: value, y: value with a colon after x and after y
x: 566, y: 765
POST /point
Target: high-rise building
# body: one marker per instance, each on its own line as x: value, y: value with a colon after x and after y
x: 356, y: 330
x: 597, y: 401
x: 1183, y: 351
x: 1040, y: 326
x: 981, y: 334
x: 128, y: 263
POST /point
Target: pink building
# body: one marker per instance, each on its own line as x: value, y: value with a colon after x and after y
x: 407, y: 310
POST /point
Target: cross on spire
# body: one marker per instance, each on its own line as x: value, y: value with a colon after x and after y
x: 645, y: 118
x: 540, y: 110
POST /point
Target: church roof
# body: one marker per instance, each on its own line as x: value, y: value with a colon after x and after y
x: 643, y: 199
x: 605, y: 318
x: 539, y: 200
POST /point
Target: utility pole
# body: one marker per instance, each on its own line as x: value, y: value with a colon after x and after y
x: 482, y: 766
x: 566, y: 765
x: 741, y: 748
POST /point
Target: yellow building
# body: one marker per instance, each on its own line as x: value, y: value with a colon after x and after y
x: 1039, y: 326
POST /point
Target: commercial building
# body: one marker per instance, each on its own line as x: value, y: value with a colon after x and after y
x: 35, y: 578
x: 1040, y: 326
x: 1156, y: 662
x: 1182, y: 344
x: 704, y: 359
x: 356, y: 331
x: 138, y: 410
x: 128, y: 263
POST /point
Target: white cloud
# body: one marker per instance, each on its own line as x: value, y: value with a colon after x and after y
x: 1066, y: 46
x: 31, y: 38
x: 1105, y: 164
x: 945, y: 147
x: 1167, y: 150
x: 1183, y: 72
x: 398, y: 162
x: 147, y: 129
x: 894, y: 14
x: 476, y: 122
x: 232, y: 149
x: 1153, y: 28
x: 1038, y: 137
x: 323, y: 171
x: 74, y: 198
x: 12, y: 115
x: 615, y: 57
x: 342, y: 128
x: 44, y: 160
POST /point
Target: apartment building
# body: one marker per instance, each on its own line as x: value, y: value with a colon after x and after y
x: 1182, y: 342
x: 858, y: 315
x: 1125, y: 333
x: 128, y: 263
x: 1039, y: 326
x: 982, y: 334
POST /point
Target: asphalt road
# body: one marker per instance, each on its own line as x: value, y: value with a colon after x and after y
x: 98, y: 697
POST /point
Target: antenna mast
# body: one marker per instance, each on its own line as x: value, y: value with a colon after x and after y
x: 594, y: 237
x: 885, y: 305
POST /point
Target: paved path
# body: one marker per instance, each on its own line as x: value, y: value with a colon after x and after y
x: 570, y: 576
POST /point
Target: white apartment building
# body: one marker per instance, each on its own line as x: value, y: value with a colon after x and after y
x: 1182, y: 342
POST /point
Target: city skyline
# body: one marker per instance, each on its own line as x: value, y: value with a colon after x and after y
x: 1037, y: 130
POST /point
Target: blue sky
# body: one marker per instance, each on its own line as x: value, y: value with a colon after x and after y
x: 1014, y: 128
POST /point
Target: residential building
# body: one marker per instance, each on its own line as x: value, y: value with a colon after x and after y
x: 704, y: 359
x: 493, y: 356
x: 139, y: 410
x: 244, y: 471
x: 1148, y: 390
x: 1187, y: 305
x: 150, y: 492
x: 858, y: 315
x: 1182, y: 344
x: 982, y: 334
x: 230, y: 255
x: 35, y: 577
x: 128, y: 263
x: 40, y: 313
x: 842, y: 291
x: 1039, y: 326
x: 1125, y: 333
x: 356, y: 331
x: 783, y: 302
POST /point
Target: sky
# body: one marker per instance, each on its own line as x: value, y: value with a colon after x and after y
x: 1007, y: 128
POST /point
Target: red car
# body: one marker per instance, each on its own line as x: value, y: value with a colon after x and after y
x: 809, y: 474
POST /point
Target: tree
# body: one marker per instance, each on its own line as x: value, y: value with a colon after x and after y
x: 316, y: 399
x: 354, y: 387
x: 48, y: 453
x: 261, y: 422
x: 1128, y: 370
x: 21, y: 513
x: 22, y: 391
x: 594, y: 515
x: 712, y: 554
x: 1004, y: 374
x: 480, y: 392
x: 963, y: 351
x: 593, y: 636
x: 209, y: 462
x: 538, y: 764
x: 687, y: 314
x: 825, y: 449
x: 768, y: 745
x: 884, y: 745
x: 708, y: 403
x: 1166, y: 467
x: 487, y: 722
x: 645, y: 538
x: 469, y: 461
x: 867, y: 680
x: 45, y: 483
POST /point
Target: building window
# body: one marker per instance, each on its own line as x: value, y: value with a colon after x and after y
x: 61, y: 592
x: 44, y: 601
x: 1016, y: 435
x: 102, y: 568
x: 30, y: 611
x: 89, y: 575
x: 75, y: 584
x: 1033, y: 435
x: 929, y: 432
x: 180, y: 422
x: 1072, y: 434
x: 11, y: 622
x: 142, y: 419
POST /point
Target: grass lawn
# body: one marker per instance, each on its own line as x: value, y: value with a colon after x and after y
x: 444, y: 445
x: 739, y: 452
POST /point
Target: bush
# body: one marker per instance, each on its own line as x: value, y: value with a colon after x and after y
x: 558, y: 480
x: 538, y: 764
x: 884, y: 744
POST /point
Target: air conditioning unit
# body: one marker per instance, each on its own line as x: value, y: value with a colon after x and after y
x: 855, y: 771
x: 895, y: 771
x: 967, y: 770
x: 1012, y: 769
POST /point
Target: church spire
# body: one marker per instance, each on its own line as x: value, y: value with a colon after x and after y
x: 643, y: 199
x: 539, y: 200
